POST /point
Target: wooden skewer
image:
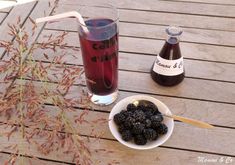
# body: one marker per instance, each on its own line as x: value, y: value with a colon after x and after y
x: 193, y: 122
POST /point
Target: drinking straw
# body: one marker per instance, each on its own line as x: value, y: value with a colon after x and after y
x: 65, y: 15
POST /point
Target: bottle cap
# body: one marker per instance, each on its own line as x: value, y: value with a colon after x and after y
x: 174, y: 31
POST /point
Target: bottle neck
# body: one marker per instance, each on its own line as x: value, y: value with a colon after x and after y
x: 173, y: 39
x: 173, y: 34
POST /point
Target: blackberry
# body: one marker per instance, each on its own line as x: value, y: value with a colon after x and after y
x: 127, y: 135
x: 148, y: 113
x: 154, y: 108
x: 139, y: 115
x: 147, y: 123
x: 137, y: 128
x: 131, y: 107
x: 141, y: 107
x: 150, y: 134
x: 162, y: 129
x: 126, y: 113
x: 129, y: 122
x: 156, y: 120
x: 156, y: 112
x: 159, y: 117
x: 123, y: 111
x: 121, y: 128
x: 119, y: 118
x: 140, y: 140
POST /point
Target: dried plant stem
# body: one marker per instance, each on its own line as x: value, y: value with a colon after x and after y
x: 21, y: 101
x: 44, y: 80
x: 24, y: 102
x: 75, y: 136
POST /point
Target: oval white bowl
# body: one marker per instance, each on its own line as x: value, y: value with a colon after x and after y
x: 121, y: 105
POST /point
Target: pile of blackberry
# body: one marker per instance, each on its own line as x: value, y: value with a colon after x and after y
x: 140, y: 123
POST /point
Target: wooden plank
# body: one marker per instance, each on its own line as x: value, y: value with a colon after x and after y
x: 201, y: 36
x: 221, y: 2
x: 151, y: 46
x: 188, y: 50
x: 184, y: 136
x: 12, y: 18
x: 189, y: 88
x: 158, y: 32
x: 162, y: 18
x: 214, y: 113
x: 6, y: 10
x: 2, y: 16
x: 155, y: 155
x: 40, y: 9
x: 170, y: 6
x: 193, y: 21
x: 143, y: 63
x: 177, y: 7
x: 203, y: 140
x: 27, y: 161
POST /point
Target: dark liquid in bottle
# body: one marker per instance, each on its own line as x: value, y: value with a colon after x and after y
x: 100, y: 56
x: 168, y: 52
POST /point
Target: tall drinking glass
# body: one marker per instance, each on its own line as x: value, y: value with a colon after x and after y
x: 100, y: 52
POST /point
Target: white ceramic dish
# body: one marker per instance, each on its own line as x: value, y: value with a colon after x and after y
x: 169, y: 122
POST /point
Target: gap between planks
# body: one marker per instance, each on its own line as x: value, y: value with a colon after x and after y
x: 213, y: 2
x: 203, y: 22
x: 216, y: 113
x: 167, y: 7
x: 203, y: 140
x: 153, y: 46
x: 194, y: 69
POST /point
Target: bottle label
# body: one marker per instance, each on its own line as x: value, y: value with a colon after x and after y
x: 168, y: 67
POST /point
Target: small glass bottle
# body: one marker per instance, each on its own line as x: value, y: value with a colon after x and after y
x: 168, y: 68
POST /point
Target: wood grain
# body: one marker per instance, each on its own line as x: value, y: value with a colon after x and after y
x: 207, y: 94
x: 189, y: 88
x: 27, y: 161
x: 12, y: 18
x: 143, y: 63
x: 184, y: 136
x: 2, y: 16
x: 42, y: 8
x: 222, y: 2
x: 220, y: 114
x: 162, y: 18
x: 170, y: 6
x: 201, y: 36
x: 193, y: 21
x: 152, y: 46
x: 6, y: 10
x: 189, y: 35
x: 188, y: 50
x: 180, y: 7
x: 158, y: 155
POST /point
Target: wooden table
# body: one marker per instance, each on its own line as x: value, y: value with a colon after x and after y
x: 207, y: 93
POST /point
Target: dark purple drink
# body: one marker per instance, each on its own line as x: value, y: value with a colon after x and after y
x: 169, y: 51
x: 100, y: 55
x: 168, y: 69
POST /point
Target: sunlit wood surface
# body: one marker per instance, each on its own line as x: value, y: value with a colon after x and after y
x: 207, y: 93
